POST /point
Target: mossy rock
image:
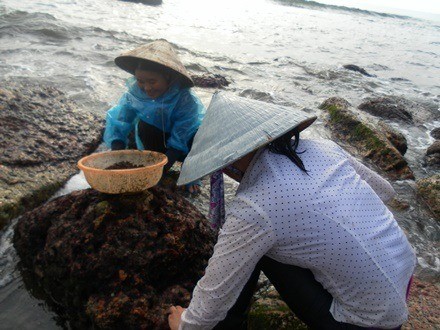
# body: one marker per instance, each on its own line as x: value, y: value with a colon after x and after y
x: 396, y: 138
x: 273, y: 313
x: 428, y: 190
x: 42, y: 136
x: 368, y: 141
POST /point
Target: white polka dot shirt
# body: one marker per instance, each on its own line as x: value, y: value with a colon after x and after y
x: 332, y: 221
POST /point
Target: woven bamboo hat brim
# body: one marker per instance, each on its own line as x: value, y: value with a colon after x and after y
x: 233, y: 127
x: 158, y: 52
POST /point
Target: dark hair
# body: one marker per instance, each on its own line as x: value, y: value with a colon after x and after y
x: 283, y: 146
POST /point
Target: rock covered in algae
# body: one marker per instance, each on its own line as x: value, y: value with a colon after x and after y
x: 210, y: 80
x: 269, y: 311
x: 116, y: 261
x: 428, y: 189
x: 396, y: 138
x: 42, y: 136
x: 370, y: 142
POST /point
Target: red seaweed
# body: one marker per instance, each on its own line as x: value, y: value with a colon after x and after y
x: 114, y: 261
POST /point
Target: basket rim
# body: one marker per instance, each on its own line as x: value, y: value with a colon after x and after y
x: 85, y: 168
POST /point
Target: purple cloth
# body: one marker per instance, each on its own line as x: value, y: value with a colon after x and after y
x: 407, y: 296
x: 216, y: 214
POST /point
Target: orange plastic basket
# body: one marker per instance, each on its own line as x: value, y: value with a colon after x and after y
x: 118, y: 181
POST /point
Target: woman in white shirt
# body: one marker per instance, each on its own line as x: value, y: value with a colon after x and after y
x: 307, y: 214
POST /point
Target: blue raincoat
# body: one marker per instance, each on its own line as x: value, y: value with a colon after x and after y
x: 178, y: 112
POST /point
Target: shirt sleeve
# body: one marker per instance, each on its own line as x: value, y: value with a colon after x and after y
x: 119, y: 122
x: 186, y: 119
x: 245, y: 237
x: 381, y: 187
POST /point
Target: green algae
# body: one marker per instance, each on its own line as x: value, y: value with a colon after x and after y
x: 13, y: 206
x: 347, y: 127
x: 428, y: 190
x: 273, y: 315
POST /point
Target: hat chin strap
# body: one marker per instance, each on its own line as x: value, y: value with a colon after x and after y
x: 233, y: 172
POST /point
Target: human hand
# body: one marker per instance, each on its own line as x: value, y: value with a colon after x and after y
x: 175, y: 316
x: 193, y: 188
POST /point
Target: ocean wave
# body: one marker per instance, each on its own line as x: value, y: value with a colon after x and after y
x: 318, y: 5
x: 44, y: 26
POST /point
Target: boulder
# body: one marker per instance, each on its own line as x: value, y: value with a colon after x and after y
x: 433, y: 148
x: 396, y: 138
x: 337, y: 102
x: 368, y: 141
x: 356, y: 68
x: 388, y: 108
x: 209, y: 80
x: 115, y: 261
x: 269, y: 311
x: 402, y: 110
x: 428, y: 190
x: 432, y: 157
x: 398, y: 204
x: 435, y: 133
x: 42, y: 136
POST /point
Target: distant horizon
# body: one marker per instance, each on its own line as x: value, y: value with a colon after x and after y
x: 427, y: 9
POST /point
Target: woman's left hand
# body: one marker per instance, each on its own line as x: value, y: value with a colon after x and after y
x: 193, y: 189
x: 174, y: 317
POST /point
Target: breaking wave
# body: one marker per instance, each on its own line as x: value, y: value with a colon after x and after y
x: 318, y: 5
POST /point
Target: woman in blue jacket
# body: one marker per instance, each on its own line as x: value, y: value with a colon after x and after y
x: 158, y: 104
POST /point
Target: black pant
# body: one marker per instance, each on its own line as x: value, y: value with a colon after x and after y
x: 152, y: 138
x: 155, y: 139
x: 305, y: 296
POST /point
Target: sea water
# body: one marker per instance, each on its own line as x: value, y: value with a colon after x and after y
x: 286, y: 52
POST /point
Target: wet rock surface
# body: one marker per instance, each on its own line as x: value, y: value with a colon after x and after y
x: 355, y: 68
x: 428, y: 190
x: 209, y: 80
x: 368, y: 141
x: 146, y: 2
x: 435, y: 133
x: 432, y: 157
x: 396, y: 138
x: 387, y: 108
x: 42, y: 136
x: 115, y: 261
x: 399, y: 109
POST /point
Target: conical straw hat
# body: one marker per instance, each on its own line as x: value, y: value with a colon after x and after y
x: 159, y: 52
x: 233, y: 127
